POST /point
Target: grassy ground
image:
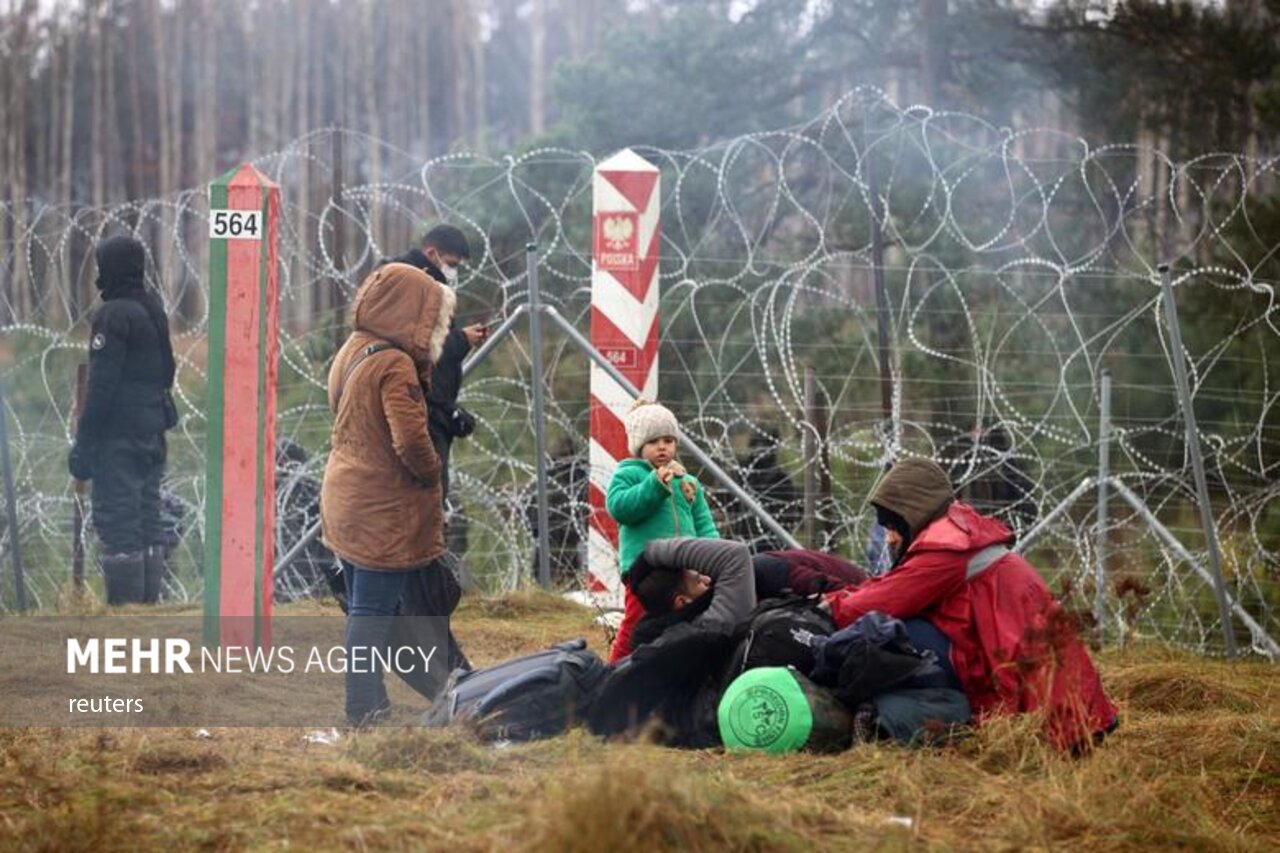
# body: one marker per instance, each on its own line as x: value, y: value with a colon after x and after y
x: 1195, y: 764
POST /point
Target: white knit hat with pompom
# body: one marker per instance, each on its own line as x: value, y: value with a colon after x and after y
x: 647, y: 421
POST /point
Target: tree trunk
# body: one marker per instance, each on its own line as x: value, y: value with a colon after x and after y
x: 933, y: 48
x: 111, y: 180
x: 459, y: 44
x: 19, y: 44
x: 137, y: 181
x: 166, y: 138
x: 204, y: 144
x: 480, y: 116
x: 98, y: 145
x: 537, y: 67
x: 79, y: 297
x: 421, y: 90
x: 302, y: 93
x: 368, y: 47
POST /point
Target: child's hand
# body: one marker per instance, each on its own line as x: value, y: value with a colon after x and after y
x: 689, y: 489
x: 670, y: 470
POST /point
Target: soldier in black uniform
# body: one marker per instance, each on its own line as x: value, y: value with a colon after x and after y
x: 120, y: 442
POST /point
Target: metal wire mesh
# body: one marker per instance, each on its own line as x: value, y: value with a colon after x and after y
x: 1018, y: 264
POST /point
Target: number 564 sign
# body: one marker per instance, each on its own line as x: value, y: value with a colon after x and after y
x: 235, y: 225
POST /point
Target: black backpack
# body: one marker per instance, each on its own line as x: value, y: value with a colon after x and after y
x: 781, y: 632
x: 526, y: 698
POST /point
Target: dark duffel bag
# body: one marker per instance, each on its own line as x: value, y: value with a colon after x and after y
x: 526, y: 698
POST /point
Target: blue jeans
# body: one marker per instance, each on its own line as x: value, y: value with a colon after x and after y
x: 372, y: 598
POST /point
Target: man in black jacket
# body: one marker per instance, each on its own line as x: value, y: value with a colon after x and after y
x: 433, y: 592
x: 444, y: 248
x: 120, y: 437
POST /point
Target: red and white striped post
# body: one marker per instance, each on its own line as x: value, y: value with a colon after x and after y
x: 240, y: 469
x: 624, y: 328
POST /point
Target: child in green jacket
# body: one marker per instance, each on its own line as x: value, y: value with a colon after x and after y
x: 651, y: 496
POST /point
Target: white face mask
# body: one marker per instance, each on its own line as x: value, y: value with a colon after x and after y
x: 450, y: 273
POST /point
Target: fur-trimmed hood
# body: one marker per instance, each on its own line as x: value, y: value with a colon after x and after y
x: 402, y: 304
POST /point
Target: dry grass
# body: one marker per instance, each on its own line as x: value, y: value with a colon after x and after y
x: 1196, y: 764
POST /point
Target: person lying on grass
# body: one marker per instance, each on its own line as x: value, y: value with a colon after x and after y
x: 695, y: 593
x: 698, y: 581
x: 1013, y: 647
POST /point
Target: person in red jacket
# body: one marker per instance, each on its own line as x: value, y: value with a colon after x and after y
x: 1013, y: 647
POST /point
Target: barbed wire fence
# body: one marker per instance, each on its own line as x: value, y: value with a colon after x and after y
x: 1018, y: 265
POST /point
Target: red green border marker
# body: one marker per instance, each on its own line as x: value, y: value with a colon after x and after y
x: 239, y: 544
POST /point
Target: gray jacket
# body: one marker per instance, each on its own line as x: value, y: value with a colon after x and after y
x: 727, y: 563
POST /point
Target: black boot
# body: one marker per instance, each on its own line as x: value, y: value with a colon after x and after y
x: 126, y: 577
x: 157, y: 570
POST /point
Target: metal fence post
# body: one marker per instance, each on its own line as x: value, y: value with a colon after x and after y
x: 539, y: 414
x: 78, y: 489
x: 1197, y: 460
x: 11, y: 502
x: 810, y: 445
x: 1104, y: 473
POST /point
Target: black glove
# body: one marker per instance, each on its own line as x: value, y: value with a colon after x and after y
x: 79, y: 463
x: 462, y: 424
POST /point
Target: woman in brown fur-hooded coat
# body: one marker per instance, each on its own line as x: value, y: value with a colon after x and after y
x: 381, y: 505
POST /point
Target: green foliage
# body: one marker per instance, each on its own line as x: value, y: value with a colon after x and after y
x: 1129, y: 73
x: 686, y: 78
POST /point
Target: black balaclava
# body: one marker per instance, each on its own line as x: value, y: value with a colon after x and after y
x: 122, y: 267
x: 122, y: 274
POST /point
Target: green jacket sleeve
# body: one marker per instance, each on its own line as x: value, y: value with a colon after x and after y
x: 704, y: 525
x: 631, y: 498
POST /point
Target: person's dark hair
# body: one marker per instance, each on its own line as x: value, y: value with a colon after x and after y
x: 449, y: 240
x: 655, y: 586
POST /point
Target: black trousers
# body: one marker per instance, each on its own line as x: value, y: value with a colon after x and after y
x: 422, y: 620
x: 127, y: 470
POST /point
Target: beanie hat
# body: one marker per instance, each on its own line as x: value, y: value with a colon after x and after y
x: 647, y: 421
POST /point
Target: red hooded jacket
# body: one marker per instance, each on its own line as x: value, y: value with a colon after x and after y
x: 1012, y: 646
